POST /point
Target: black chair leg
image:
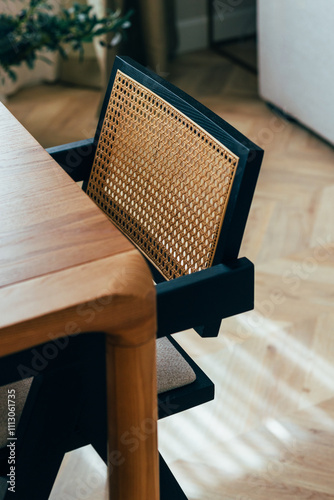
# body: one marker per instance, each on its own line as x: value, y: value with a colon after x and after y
x: 169, y: 487
x: 38, y: 458
x: 209, y: 329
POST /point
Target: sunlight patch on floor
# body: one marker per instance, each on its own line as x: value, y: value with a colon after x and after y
x: 82, y: 475
x: 248, y: 383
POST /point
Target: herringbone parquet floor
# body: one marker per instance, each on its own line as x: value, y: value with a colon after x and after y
x: 269, y: 433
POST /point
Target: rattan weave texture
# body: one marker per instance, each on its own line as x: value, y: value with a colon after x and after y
x: 162, y: 179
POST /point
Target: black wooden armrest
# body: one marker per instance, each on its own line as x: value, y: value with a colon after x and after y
x: 216, y: 293
x: 76, y: 158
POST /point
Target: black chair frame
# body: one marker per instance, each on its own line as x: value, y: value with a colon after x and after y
x: 226, y: 288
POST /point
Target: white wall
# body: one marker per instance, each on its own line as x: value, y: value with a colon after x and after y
x: 296, y: 42
x: 233, y: 18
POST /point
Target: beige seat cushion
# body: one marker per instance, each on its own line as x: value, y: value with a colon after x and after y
x: 172, y: 371
x: 21, y: 392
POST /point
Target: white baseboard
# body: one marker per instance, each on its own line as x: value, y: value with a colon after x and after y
x: 193, y: 32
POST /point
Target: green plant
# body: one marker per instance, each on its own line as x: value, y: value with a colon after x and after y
x: 36, y: 27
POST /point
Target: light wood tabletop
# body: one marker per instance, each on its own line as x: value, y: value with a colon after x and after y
x: 60, y: 256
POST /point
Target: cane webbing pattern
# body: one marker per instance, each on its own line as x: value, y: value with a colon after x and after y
x: 162, y: 179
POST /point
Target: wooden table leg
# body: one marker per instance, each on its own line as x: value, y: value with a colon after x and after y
x: 132, y: 421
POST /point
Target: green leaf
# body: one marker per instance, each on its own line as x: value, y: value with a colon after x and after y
x: 38, y: 27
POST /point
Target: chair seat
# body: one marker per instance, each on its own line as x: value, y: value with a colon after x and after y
x: 173, y: 371
x: 21, y: 392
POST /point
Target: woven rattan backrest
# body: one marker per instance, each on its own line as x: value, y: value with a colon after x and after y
x: 162, y: 179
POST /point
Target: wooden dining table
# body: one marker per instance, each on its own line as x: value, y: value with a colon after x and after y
x: 59, y: 254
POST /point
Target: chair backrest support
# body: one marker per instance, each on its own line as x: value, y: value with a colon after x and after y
x: 173, y: 176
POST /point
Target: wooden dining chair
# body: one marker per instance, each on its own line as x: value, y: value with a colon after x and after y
x: 178, y: 181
